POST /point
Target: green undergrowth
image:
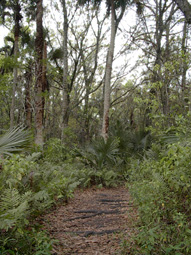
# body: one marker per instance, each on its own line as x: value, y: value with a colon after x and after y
x: 31, y: 185
x: 161, y: 186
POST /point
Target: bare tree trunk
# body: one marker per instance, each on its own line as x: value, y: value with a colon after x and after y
x: 165, y: 87
x: 39, y: 43
x: 15, y: 75
x: 18, y: 17
x: 108, y: 71
x: 28, y: 106
x: 66, y: 97
x: 184, y: 64
x: 46, y: 99
x: 86, y: 106
x: 45, y: 87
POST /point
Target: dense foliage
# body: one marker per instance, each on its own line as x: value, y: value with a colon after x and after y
x: 160, y: 187
x: 31, y: 184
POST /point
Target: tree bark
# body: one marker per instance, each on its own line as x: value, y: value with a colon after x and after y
x: 66, y: 96
x: 28, y: 105
x: 184, y: 64
x: 18, y: 17
x: 44, y: 72
x: 108, y: 71
x: 185, y: 7
x: 39, y: 43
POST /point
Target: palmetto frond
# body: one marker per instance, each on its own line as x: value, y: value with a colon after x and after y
x: 102, y: 152
x: 14, y: 140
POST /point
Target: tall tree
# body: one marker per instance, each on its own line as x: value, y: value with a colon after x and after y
x: 164, y: 58
x: 17, y: 19
x: 66, y: 97
x: 39, y: 44
x: 13, y: 9
x: 112, y: 7
x: 28, y: 108
x: 108, y: 71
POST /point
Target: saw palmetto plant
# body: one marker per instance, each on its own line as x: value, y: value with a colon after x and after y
x: 14, y: 140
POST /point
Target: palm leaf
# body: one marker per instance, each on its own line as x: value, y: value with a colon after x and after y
x: 14, y: 140
x: 102, y: 152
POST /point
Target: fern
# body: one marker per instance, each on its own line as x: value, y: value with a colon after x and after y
x: 9, y: 199
x: 40, y: 201
x: 14, y: 208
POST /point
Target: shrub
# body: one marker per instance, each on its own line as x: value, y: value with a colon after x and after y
x: 161, y: 190
x: 57, y: 152
x: 101, y: 153
x: 87, y: 177
x: 27, y: 189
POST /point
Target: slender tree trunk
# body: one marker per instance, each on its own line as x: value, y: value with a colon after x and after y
x: 87, y: 93
x: 184, y: 64
x: 66, y: 95
x: 108, y: 71
x: 86, y: 113
x: 165, y: 87
x: 15, y: 79
x: 44, y: 72
x: 18, y: 17
x: 46, y: 99
x: 28, y: 105
x: 39, y: 43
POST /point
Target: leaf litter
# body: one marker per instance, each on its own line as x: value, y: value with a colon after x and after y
x: 93, y: 222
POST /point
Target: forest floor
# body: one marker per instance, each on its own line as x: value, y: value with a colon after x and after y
x: 93, y: 222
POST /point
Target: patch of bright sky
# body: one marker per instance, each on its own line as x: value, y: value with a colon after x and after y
x: 3, y: 33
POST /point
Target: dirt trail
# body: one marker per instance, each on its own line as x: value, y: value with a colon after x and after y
x: 93, y: 222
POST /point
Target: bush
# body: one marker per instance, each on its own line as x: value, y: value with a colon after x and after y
x: 87, y: 177
x: 161, y: 190
x: 101, y: 153
x: 27, y: 189
x: 55, y: 152
x: 26, y: 242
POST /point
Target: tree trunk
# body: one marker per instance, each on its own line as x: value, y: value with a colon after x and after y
x: 66, y: 96
x: 86, y: 105
x: 166, y: 83
x: 108, y: 71
x: 184, y: 57
x: 28, y: 105
x: 39, y: 111
x: 18, y: 17
x: 46, y: 99
x: 44, y: 72
x: 185, y: 7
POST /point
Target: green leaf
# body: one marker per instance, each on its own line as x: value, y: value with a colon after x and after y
x: 14, y: 141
